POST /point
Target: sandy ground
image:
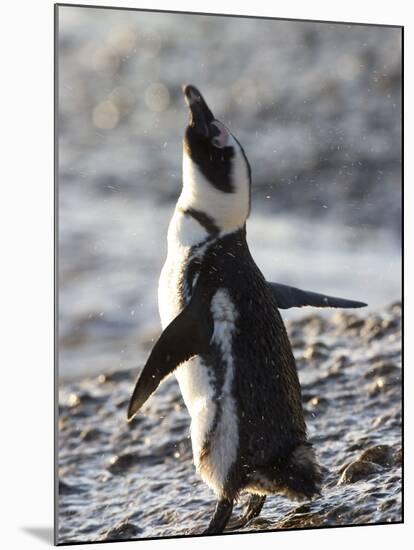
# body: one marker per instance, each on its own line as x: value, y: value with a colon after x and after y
x: 137, y: 480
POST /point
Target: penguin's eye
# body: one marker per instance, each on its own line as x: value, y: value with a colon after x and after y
x: 220, y: 136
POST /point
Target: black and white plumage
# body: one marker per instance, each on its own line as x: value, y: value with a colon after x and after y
x: 223, y: 335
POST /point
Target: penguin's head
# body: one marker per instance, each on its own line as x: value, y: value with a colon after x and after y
x: 216, y: 172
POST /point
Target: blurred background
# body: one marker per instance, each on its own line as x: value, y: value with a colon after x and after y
x: 317, y: 107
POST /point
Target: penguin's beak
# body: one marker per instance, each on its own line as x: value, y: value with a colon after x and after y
x: 200, y: 114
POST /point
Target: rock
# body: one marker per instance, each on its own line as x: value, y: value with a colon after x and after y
x: 383, y: 456
x: 313, y: 324
x: 66, y: 488
x: 354, y: 323
x: 118, y: 464
x: 115, y: 376
x: 123, y: 531
x: 396, y: 308
x: 381, y: 420
x: 384, y: 368
x: 123, y: 404
x: 155, y: 487
x: 359, y: 445
x: 379, y: 454
x: 387, y: 504
x: 63, y: 422
x: 376, y: 327
x: 173, y: 449
x: 342, y: 361
x: 386, y: 375
x: 317, y: 402
x: 307, y: 396
x: 73, y: 400
x: 335, y: 372
x: 84, y: 398
x: 316, y: 351
x: 358, y: 470
x: 92, y: 434
x: 383, y: 385
x: 297, y: 343
x: 398, y: 456
x: 343, y: 320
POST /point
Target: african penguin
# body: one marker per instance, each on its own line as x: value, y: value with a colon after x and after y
x: 223, y: 335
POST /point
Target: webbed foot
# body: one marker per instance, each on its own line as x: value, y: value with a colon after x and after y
x: 220, y: 518
x: 251, y: 510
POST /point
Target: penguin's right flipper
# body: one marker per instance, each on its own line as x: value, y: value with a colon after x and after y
x: 290, y: 296
x: 187, y: 335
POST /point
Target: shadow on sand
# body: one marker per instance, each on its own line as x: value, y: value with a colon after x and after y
x: 42, y: 533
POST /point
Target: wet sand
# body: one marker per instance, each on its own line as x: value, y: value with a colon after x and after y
x: 122, y: 481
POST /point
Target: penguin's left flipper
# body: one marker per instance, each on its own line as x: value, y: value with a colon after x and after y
x: 290, y: 296
x: 187, y: 335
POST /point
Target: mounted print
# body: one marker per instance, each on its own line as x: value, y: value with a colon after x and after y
x: 228, y: 274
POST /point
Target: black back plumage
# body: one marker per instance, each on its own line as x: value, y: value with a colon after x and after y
x: 265, y: 386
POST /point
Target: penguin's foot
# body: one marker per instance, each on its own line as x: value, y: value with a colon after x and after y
x: 251, y: 510
x: 220, y: 518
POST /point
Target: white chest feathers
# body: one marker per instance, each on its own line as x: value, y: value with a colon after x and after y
x: 185, y: 238
x: 211, y: 404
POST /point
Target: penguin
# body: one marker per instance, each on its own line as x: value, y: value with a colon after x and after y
x: 223, y: 336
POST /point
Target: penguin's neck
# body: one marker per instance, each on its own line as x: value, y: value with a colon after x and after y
x: 188, y: 228
x: 226, y: 211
